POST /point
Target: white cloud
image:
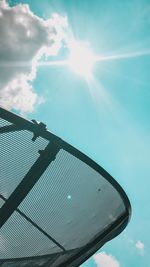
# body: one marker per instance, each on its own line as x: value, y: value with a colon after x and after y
x: 104, y: 260
x: 140, y: 246
x: 25, y: 38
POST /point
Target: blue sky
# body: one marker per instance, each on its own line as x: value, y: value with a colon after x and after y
x: 108, y: 117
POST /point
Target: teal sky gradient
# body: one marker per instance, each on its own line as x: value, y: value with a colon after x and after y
x: 108, y: 119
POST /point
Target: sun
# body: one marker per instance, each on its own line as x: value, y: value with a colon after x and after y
x: 81, y: 59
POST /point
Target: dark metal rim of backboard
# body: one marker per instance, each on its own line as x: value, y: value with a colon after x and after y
x: 19, y: 123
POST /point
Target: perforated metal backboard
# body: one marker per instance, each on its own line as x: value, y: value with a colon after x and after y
x: 57, y: 206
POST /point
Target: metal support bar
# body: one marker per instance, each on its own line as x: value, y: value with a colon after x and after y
x: 31, y: 126
x: 10, y: 128
x: 30, y: 179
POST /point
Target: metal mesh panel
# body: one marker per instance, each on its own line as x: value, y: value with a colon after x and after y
x: 48, y: 261
x: 71, y: 200
x: 18, y: 153
x: 65, y: 210
x: 19, y: 239
x: 26, y: 263
x: 4, y: 123
x: 1, y: 202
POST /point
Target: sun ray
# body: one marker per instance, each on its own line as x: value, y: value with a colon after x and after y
x: 92, y: 59
x: 123, y: 56
x: 100, y: 95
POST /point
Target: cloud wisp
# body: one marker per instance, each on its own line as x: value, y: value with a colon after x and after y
x: 104, y: 260
x: 140, y: 247
x: 25, y: 38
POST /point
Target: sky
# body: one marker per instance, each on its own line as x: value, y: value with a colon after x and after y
x: 105, y: 115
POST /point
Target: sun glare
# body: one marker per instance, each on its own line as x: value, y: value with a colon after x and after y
x: 81, y: 59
